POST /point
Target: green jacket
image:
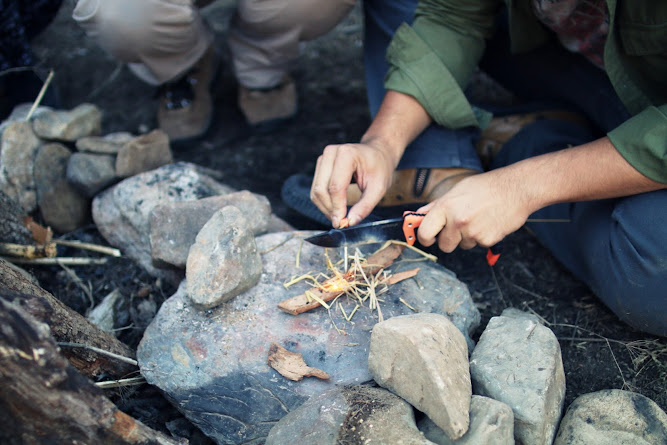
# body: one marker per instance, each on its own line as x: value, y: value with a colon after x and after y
x: 434, y: 59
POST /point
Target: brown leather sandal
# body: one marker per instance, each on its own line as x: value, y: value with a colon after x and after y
x: 416, y: 186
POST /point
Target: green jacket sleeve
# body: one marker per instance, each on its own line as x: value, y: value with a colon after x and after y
x: 434, y: 59
x: 642, y: 141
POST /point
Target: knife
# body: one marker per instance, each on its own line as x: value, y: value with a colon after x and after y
x: 402, y: 229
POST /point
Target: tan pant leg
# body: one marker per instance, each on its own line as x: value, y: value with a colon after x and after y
x: 159, y: 39
x: 265, y: 34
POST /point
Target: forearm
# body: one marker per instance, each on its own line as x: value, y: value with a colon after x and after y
x: 398, y: 122
x: 591, y: 171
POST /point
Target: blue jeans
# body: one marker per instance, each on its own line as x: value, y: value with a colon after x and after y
x: 618, y: 247
x: 436, y: 146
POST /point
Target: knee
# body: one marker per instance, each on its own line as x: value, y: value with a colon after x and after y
x: 129, y: 28
x: 311, y: 18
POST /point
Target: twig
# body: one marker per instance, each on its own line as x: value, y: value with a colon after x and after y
x: 69, y: 261
x: 122, y: 382
x: 18, y: 69
x: 92, y: 247
x: 78, y: 281
x: 277, y: 245
x: 28, y: 251
x: 40, y: 95
x: 101, y: 352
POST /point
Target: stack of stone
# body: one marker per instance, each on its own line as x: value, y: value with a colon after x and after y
x: 56, y: 161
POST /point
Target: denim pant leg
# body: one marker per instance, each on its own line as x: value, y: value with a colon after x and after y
x: 616, y: 246
x: 437, y: 146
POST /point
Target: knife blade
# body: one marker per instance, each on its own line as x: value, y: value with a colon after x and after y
x: 402, y: 229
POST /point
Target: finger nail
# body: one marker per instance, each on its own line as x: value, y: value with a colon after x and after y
x: 335, y: 221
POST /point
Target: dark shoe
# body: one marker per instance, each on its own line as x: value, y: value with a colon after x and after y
x: 186, y: 105
x: 266, y: 109
x: 502, y: 129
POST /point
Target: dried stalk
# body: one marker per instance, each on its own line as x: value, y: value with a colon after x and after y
x: 68, y: 261
x: 28, y: 251
x: 92, y: 247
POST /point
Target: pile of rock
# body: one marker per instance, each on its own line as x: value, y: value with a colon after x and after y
x: 207, y: 347
x: 55, y: 162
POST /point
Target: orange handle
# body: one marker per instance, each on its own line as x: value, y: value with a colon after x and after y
x: 411, y: 221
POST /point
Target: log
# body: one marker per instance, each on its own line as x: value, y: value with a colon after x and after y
x: 43, y: 399
x: 67, y: 326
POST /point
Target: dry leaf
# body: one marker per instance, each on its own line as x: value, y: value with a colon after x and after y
x: 291, y: 365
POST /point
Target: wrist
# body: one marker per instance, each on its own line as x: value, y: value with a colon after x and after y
x: 387, y: 146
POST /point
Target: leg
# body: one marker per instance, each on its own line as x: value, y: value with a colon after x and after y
x: 617, y: 246
x: 437, y: 146
x: 265, y: 35
x: 159, y: 39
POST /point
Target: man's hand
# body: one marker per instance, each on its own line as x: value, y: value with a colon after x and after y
x: 480, y: 210
x: 368, y: 163
x: 371, y: 163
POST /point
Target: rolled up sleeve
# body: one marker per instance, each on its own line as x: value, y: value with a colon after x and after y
x: 642, y: 141
x: 434, y: 59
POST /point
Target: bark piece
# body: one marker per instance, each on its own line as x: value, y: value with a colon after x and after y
x: 291, y: 365
x: 42, y: 395
x: 67, y: 326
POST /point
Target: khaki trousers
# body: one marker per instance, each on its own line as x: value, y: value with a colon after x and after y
x: 161, y: 39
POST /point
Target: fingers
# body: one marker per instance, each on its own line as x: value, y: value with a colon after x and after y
x: 370, y: 197
x: 328, y: 191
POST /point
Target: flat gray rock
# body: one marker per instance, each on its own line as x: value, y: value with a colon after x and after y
x: 174, y: 225
x: 212, y: 364
x: 64, y: 125
x: 143, y: 153
x: 109, y: 144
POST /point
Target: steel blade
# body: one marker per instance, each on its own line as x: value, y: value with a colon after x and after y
x: 375, y: 232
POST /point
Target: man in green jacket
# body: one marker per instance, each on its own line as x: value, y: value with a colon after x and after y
x: 605, y: 59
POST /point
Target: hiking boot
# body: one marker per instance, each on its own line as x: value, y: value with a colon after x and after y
x: 186, y: 105
x: 502, y: 129
x: 266, y: 109
x: 416, y: 186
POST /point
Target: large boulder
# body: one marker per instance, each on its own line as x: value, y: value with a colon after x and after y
x: 212, y: 364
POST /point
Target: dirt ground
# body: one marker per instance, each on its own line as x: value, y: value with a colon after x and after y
x: 599, y: 352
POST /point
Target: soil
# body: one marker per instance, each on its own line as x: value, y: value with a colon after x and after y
x: 599, y: 352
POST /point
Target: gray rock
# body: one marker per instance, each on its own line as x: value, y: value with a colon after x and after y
x: 223, y: 261
x: 17, y: 161
x: 613, y: 417
x: 277, y: 224
x: 349, y: 414
x: 103, y: 314
x: 518, y: 361
x: 20, y: 113
x: 122, y: 212
x: 212, y: 364
x: 175, y: 225
x: 491, y: 423
x: 109, y: 144
x: 91, y: 173
x: 84, y: 120
x: 62, y: 206
x: 512, y: 312
x: 143, y: 153
x: 423, y: 358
